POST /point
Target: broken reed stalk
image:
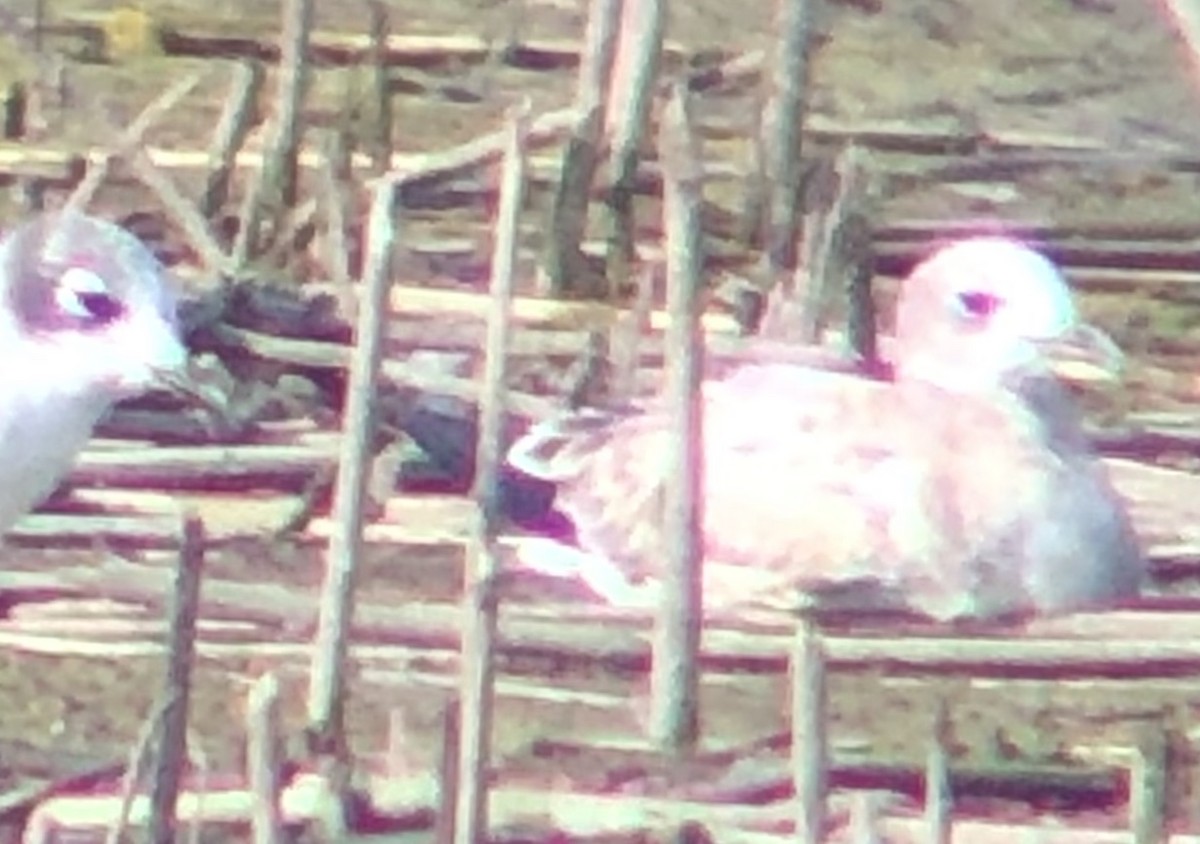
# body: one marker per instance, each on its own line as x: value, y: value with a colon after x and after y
x: 130, y: 139
x: 781, y: 126
x: 479, y: 587
x: 589, y: 380
x: 810, y: 742
x: 837, y: 245
x: 263, y: 758
x: 443, y: 831
x: 674, y: 679
x: 182, y: 212
x: 630, y: 92
x: 864, y: 818
x: 249, y: 211
x: 379, y: 130
x: 279, y: 172
x: 282, y: 165
x: 335, y: 178
x: 139, y: 756
x: 237, y: 117
x: 861, y: 328
x: 289, y: 226
x: 751, y: 222
x: 181, y: 649
x: 939, y: 801
x: 625, y: 340
x: 327, y: 680
x: 565, y: 268
x: 177, y: 207
x: 1148, y: 783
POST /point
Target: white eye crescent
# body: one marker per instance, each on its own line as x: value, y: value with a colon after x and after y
x: 79, y: 292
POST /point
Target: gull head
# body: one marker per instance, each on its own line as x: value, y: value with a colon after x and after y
x: 88, y: 308
x: 982, y: 312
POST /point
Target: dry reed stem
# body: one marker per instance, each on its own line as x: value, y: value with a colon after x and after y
x: 380, y: 132
x: 183, y: 212
x: 448, y: 773
x: 233, y: 126
x: 1139, y: 646
x: 486, y: 149
x: 181, y: 647
x: 783, y: 115
x: 263, y: 757
x: 289, y: 223
x: 1148, y: 785
x: 479, y: 584
x: 630, y: 91
x: 335, y: 196
x: 564, y: 268
x: 281, y: 166
x: 626, y: 340
x: 327, y: 682
x: 411, y: 50
x: 130, y: 139
x: 139, y: 757
x: 810, y: 741
x: 834, y: 245
x: 274, y: 184
x: 674, y: 678
x: 939, y: 801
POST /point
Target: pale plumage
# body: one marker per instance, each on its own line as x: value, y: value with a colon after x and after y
x: 86, y: 319
x: 964, y: 488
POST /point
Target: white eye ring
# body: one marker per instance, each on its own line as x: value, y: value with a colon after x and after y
x: 73, y: 286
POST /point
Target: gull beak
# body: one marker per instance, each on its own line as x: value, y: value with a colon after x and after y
x: 1083, y: 355
x: 173, y: 371
x: 196, y: 390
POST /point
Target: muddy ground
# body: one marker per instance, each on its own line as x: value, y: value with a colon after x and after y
x: 1107, y: 71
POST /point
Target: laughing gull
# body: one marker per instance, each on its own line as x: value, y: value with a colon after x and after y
x: 86, y: 319
x: 964, y: 488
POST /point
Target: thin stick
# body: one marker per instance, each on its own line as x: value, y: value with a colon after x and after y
x: 237, y: 115
x: 39, y: 24
x: 327, y: 681
x: 249, y: 211
x: 287, y: 227
x: 810, y: 744
x: 131, y: 139
x: 139, y: 755
x: 674, y: 680
x: 625, y: 340
x: 837, y: 245
x: 380, y: 131
x: 1148, y: 786
x: 335, y: 171
x: 939, y: 801
x: 281, y: 166
x: 443, y: 832
x: 185, y: 215
x: 630, y: 92
x: 279, y: 172
x: 263, y: 757
x: 479, y: 633
x: 181, y: 647
x: 782, y: 118
x: 565, y: 267
x: 182, y: 211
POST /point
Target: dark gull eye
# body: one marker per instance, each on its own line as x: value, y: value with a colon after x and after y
x: 978, y: 304
x: 82, y: 294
